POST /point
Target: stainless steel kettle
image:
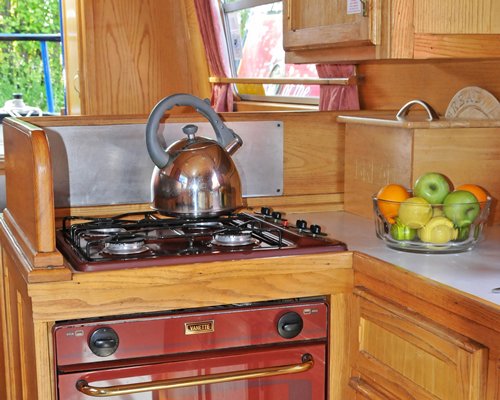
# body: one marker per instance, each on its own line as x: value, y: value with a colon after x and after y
x: 196, y: 176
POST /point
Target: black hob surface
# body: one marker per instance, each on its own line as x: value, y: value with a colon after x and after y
x: 150, y: 239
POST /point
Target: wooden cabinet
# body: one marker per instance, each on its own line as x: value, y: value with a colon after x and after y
x: 333, y: 31
x: 420, y: 340
x: 122, y: 56
x: 408, y: 355
x: 18, y: 347
x: 321, y: 23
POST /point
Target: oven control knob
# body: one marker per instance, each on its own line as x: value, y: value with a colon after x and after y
x: 103, y: 342
x: 276, y: 215
x: 290, y: 325
x: 265, y: 211
x: 315, y: 229
x: 301, y: 224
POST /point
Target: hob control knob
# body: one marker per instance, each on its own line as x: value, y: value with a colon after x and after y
x: 276, y: 215
x: 301, y: 224
x: 290, y: 325
x: 315, y: 229
x: 103, y: 342
x: 265, y: 211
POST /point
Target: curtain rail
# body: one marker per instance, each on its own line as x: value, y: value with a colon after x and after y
x: 353, y: 80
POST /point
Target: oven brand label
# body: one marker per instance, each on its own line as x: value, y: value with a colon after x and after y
x: 194, y: 328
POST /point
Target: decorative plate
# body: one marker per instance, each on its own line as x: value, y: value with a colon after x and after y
x: 472, y: 102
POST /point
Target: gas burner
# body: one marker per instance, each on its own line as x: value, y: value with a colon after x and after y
x: 125, y: 244
x: 234, y: 237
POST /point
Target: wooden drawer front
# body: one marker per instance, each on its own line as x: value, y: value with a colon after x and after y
x: 409, y: 354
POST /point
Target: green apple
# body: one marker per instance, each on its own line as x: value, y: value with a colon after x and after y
x: 402, y: 232
x: 438, y: 230
x: 461, y: 207
x: 433, y: 187
x: 415, y: 212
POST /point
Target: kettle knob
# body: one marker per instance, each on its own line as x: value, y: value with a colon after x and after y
x: 190, y: 131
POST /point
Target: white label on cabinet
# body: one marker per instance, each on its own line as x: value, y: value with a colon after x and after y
x: 354, y: 6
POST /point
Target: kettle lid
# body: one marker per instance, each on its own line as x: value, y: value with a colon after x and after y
x: 192, y: 142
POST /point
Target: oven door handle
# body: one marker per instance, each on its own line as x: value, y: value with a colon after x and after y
x: 118, y: 390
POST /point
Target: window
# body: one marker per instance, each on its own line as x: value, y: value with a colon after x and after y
x: 30, y: 55
x: 254, y: 30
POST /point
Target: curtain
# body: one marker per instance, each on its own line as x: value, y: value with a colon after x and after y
x: 212, y: 32
x: 337, y: 97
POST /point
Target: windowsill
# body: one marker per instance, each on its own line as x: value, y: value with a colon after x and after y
x: 267, y: 106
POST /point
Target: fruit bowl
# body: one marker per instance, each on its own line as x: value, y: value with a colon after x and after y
x: 422, y: 227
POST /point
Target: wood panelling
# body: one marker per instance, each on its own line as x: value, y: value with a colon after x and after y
x: 447, y: 46
x: 4, y: 338
x: 375, y: 156
x: 457, y: 16
x: 186, y: 286
x: 344, y: 314
x: 381, y: 151
x: 389, y: 85
x: 30, y: 193
x: 19, y: 346
x: 134, y: 53
x: 401, y: 43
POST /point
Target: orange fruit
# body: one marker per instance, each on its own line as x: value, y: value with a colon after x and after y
x: 480, y: 194
x: 394, y: 194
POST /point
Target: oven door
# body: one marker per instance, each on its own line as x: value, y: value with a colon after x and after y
x: 291, y: 372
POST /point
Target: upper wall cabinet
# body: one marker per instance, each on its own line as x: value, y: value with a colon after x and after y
x: 356, y: 30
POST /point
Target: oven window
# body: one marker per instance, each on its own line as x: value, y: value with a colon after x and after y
x: 308, y: 384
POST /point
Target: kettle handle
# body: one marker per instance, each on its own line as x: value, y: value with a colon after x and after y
x: 225, y: 136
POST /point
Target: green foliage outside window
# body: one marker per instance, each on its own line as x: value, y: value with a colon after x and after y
x: 21, y: 69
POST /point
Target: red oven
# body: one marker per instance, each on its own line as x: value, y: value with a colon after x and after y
x: 270, y: 351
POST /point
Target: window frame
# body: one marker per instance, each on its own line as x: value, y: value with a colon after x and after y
x: 227, y: 8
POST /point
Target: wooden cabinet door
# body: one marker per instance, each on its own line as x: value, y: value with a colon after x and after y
x: 310, y: 24
x: 410, y: 356
x: 364, y: 391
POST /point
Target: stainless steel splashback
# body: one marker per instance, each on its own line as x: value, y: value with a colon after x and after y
x: 109, y: 164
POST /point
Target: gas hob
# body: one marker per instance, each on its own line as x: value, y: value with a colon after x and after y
x: 149, y: 239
